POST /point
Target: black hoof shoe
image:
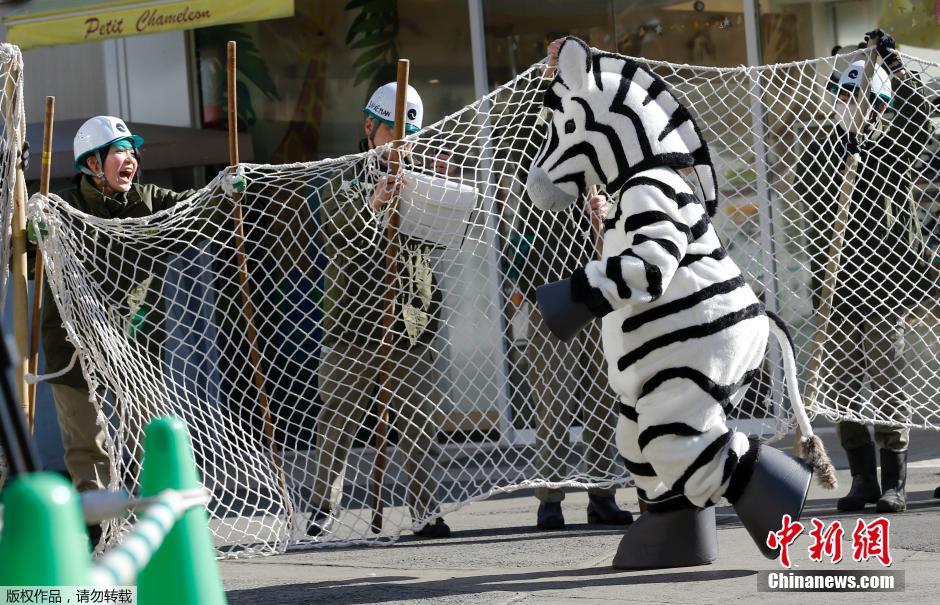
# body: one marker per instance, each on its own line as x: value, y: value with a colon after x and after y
x: 680, y: 538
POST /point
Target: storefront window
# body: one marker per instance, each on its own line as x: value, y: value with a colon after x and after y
x: 793, y: 31
x: 298, y: 92
x: 709, y: 33
x: 700, y: 32
x: 298, y: 86
x: 518, y: 31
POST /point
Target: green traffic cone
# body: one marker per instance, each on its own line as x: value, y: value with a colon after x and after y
x: 184, y: 570
x: 44, y: 542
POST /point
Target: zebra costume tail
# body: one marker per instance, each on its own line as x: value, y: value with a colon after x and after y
x: 811, y: 446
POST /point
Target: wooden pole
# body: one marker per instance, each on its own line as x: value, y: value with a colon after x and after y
x: 388, y: 320
x: 834, y: 256
x: 232, y: 107
x: 242, y: 261
x: 38, y: 278
x: 15, y: 120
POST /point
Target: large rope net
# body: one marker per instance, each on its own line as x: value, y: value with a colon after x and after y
x: 255, y: 309
x: 11, y: 110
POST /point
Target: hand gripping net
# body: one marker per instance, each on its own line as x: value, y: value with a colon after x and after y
x: 481, y: 400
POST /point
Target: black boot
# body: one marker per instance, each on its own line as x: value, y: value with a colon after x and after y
x: 681, y: 537
x: 321, y: 520
x: 865, y: 489
x: 434, y: 529
x: 603, y: 510
x: 893, y: 477
x: 549, y: 516
x: 767, y: 485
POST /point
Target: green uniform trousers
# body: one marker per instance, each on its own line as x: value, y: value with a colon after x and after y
x: 348, y: 376
x: 568, y: 378
x: 86, y: 456
x: 872, y: 348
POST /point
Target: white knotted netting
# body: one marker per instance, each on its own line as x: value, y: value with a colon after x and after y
x: 481, y: 401
x: 11, y: 110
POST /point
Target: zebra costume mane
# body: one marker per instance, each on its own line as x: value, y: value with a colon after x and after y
x: 644, y: 124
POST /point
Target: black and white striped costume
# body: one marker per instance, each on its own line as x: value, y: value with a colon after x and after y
x: 683, y: 333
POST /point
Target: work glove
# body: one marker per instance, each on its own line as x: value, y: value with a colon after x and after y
x: 887, y: 50
x: 31, y: 234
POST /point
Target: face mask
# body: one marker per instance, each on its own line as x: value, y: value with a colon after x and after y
x: 845, y: 114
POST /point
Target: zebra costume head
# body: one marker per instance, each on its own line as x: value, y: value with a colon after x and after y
x: 612, y: 118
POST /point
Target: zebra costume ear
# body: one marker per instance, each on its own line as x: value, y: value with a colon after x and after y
x: 574, y: 64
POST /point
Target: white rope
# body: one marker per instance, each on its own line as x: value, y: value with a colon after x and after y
x: 120, y: 565
x: 315, y: 250
x: 100, y: 505
x: 36, y: 378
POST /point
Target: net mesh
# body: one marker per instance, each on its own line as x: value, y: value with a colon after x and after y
x: 270, y: 346
x: 11, y: 109
x: 11, y: 106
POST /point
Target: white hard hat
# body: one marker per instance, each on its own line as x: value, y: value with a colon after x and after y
x: 880, y: 84
x: 381, y: 106
x: 98, y: 133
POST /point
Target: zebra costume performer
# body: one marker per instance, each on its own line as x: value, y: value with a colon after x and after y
x: 683, y: 333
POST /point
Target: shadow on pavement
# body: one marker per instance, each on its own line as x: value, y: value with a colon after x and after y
x: 496, y: 535
x: 377, y: 589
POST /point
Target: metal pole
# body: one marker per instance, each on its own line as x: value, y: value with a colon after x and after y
x: 478, y: 48
x: 481, y: 88
x: 759, y: 132
x: 752, y: 32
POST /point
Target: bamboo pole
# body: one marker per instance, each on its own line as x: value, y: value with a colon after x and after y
x: 18, y: 448
x: 20, y: 281
x: 834, y: 256
x: 388, y: 320
x: 243, y: 276
x: 39, y: 275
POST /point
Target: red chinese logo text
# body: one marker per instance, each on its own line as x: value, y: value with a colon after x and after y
x: 784, y: 538
x: 828, y: 542
x: 870, y: 540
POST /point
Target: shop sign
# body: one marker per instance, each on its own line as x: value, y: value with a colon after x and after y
x: 104, y: 21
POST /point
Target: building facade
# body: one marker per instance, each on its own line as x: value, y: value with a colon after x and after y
x: 306, y: 67
x: 299, y: 75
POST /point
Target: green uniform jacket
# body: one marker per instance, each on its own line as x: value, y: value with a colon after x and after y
x: 355, y: 242
x: 884, y: 265
x: 140, y: 201
x: 553, y: 253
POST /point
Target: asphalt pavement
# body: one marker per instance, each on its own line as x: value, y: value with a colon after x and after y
x: 496, y: 555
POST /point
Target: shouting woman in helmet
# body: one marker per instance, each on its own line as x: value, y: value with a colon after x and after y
x: 883, y: 273
x: 107, y: 159
x: 353, y: 220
